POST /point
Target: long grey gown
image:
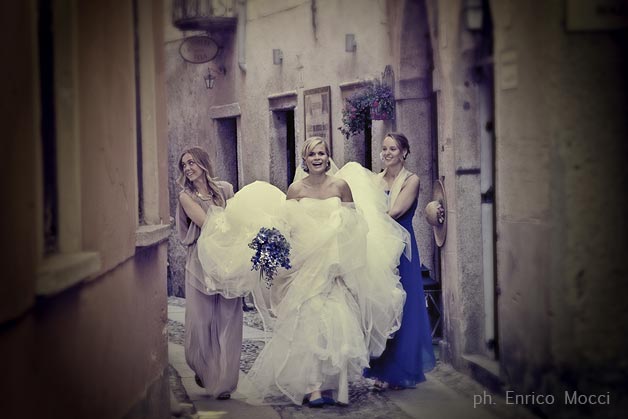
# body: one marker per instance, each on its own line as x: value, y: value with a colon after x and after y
x: 213, y: 324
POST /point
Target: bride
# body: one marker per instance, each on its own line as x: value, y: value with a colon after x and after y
x: 335, y: 308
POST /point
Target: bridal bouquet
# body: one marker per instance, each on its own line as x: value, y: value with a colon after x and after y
x: 272, y: 251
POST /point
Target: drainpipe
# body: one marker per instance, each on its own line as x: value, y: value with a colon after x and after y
x: 241, y: 34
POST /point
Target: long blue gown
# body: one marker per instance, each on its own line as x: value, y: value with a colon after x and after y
x: 409, y: 354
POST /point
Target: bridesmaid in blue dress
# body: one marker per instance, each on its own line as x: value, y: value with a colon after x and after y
x: 409, y: 354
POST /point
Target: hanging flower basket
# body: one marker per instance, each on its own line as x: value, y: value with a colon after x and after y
x: 374, y: 102
x: 378, y: 115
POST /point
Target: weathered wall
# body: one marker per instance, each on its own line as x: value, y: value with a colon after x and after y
x: 188, y: 101
x: 107, y: 132
x: 189, y: 124
x: 524, y: 190
x: 412, y: 65
x: 454, y: 52
x: 560, y: 103
x: 20, y: 117
x: 313, y: 56
x: 94, y: 349
x: 561, y: 262
x: 312, y: 40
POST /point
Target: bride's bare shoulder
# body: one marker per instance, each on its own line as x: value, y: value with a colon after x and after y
x: 339, y: 181
x: 295, y: 190
x: 341, y: 184
x: 343, y: 190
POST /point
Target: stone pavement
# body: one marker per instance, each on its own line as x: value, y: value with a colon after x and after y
x: 446, y: 393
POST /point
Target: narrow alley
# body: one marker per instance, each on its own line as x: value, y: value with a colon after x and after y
x: 496, y: 131
x: 447, y: 394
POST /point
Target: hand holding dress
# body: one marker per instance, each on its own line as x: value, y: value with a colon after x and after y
x: 340, y: 301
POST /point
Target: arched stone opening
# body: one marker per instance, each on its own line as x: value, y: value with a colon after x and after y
x: 415, y: 109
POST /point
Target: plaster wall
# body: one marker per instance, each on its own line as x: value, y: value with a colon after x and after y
x: 454, y: 51
x: 312, y: 41
x: 523, y: 190
x: 313, y: 46
x: 413, y: 64
x: 94, y: 349
x: 314, y: 56
x: 20, y: 116
x: 107, y: 130
x: 560, y: 101
x: 571, y: 146
x: 188, y: 121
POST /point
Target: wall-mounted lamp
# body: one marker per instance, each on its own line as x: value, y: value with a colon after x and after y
x: 210, y: 76
x: 277, y: 56
x: 210, y: 80
x: 350, y: 44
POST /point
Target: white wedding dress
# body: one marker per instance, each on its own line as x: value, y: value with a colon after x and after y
x: 337, y: 305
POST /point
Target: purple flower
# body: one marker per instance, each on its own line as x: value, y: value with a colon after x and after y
x: 272, y: 251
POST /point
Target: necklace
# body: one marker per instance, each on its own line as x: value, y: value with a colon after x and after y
x: 205, y: 197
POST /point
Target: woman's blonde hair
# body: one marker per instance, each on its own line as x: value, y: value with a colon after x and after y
x: 309, y: 144
x: 201, y: 158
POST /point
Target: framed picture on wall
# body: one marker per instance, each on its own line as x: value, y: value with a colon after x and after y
x: 317, y: 113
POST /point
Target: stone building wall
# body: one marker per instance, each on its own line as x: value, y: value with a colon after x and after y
x: 82, y: 327
x: 311, y: 36
x: 560, y: 97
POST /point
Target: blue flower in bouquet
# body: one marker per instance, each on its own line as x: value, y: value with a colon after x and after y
x: 272, y: 251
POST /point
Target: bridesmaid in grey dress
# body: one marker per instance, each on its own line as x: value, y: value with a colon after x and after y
x: 213, y: 324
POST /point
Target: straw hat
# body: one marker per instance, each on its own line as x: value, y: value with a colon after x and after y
x: 436, y: 213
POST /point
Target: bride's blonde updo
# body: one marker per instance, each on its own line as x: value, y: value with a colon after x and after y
x: 308, y: 145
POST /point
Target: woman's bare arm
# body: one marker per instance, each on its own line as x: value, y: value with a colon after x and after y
x: 345, y: 192
x: 192, y: 209
x: 408, y: 194
x: 294, y: 190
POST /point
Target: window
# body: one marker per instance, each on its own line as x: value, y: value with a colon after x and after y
x: 151, y: 228
x: 63, y: 261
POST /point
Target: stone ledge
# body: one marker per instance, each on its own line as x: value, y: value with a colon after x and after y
x: 356, y: 84
x: 484, y: 362
x: 149, y: 235
x: 64, y: 270
x: 485, y: 371
x: 225, y: 111
x: 288, y: 94
x: 282, y: 101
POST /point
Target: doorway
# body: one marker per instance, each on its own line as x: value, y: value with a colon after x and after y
x: 368, y: 144
x: 226, y: 160
x: 283, y: 156
x: 484, y: 75
x: 359, y: 147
